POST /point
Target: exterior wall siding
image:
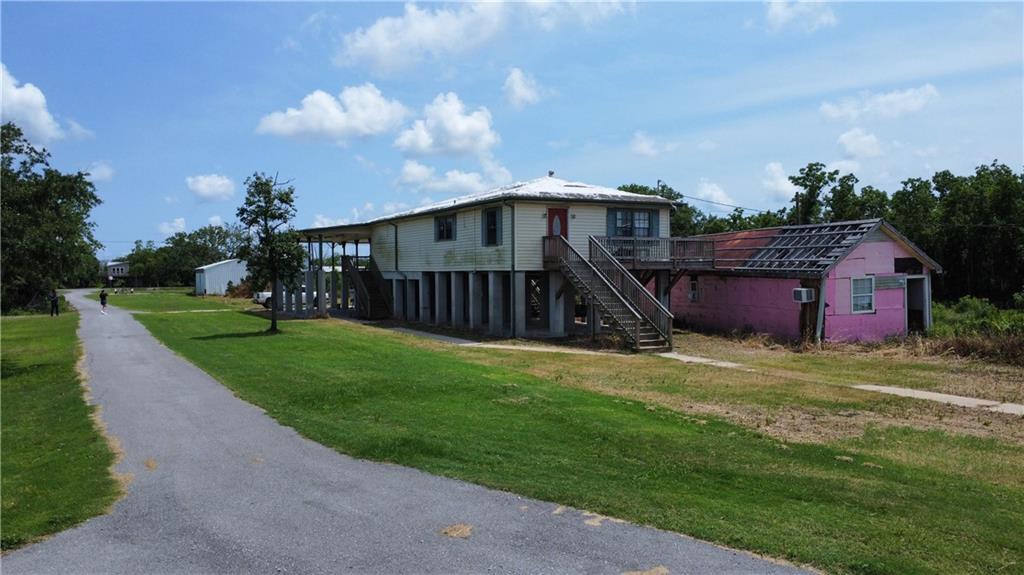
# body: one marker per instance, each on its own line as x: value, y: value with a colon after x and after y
x: 872, y: 258
x: 727, y: 303
x: 418, y: 251
x: 765, y: 304
x: 214, y: 281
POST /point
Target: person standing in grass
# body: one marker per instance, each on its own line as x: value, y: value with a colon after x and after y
x: 54, y: 303
x: 103, y: 301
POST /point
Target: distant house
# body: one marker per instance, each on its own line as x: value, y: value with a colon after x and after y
x: 213, y: 279
x: 875, y: 282
x: 117, y: 270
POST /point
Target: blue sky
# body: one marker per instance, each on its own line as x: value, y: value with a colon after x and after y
x: 371, y: 108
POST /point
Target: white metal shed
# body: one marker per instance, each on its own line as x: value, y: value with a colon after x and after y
x: 212, y: 279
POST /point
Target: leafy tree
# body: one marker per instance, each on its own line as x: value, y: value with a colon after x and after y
x: 46, y: 238
x: 912, y: 210
x: 874, y: 203
x: 272, y: 249
x: 813, y: 180
x: 842, y: 203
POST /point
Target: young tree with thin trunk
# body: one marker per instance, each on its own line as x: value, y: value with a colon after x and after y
x: 272, y: 247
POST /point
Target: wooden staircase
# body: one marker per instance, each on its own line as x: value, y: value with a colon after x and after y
x: 372, y: 292
x: 616, y: 294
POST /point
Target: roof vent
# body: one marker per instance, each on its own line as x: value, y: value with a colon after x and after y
x: 551, y: 173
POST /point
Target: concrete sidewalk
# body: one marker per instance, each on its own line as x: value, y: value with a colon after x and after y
x: 220, y: 487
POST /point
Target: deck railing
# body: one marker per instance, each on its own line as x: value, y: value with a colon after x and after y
x: 583, y: 273
x: 675, y: 253
x: 627, y: 284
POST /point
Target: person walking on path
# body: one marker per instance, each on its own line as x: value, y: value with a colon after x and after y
x: 103, y: 301
x: 54, y: 303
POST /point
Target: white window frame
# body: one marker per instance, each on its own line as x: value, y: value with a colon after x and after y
x: 853, y: 295
x: 694, y: 294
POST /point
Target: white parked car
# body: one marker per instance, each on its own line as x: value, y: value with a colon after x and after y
x: 264, y: 297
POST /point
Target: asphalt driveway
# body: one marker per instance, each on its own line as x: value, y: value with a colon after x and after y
x: 219, y: 487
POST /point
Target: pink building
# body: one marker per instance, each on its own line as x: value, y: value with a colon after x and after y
x: 876, y: 283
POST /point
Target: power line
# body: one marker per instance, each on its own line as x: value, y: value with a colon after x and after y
x: 724, y: 204
x: 661, y: 184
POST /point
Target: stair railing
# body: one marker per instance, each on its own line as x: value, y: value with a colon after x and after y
x: 557, y: 248
x: 631, y: 289
x: 351, y: 271
x: 383, y: 285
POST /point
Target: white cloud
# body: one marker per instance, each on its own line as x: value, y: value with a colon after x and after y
x: 559, y: 144
x: 322, y: 221
x: 79, y: 132
x: 860, y: 144
x: 708, y: 190
x: 171, y: 199
x: 394, y: 43
x: 100, y: 172
x: 172, y: 227
x: 420, y: 177
x: 887, y: 105
x: 362, y: 213
x: 844, y: 166
x: 446, y: 128
x: 25, y: 105
x: 776, y: 181
x: 644, y: 145
x: 807, y: 14
x: 216, y: 221
x: 392, y: 207
x: 521, y: 89
x: 549, y: 14
x: 357, y: 111
x: 211, y: 186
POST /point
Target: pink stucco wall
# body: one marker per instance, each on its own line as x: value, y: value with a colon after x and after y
x: 766, y: 304
x: 729, y: 303
x: 889, y: 317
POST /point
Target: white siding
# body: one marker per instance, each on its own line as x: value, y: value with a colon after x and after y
x: 418, y: 251
x: 585, y: 220
x: 531, y: 227
x: 664, y: 223
x: 215, y: 279
x: 382, y: 247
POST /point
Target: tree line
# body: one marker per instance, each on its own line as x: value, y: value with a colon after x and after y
x: 973, y: 225
x: 174, y: 262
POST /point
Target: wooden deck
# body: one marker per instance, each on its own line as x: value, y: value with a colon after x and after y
x: 675, y: 254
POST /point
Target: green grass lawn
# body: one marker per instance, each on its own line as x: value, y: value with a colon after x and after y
x: 55, y: 464
x: 170, y: 299
x: 893, y: 500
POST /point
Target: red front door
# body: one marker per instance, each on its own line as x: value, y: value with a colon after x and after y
x: 558, y: 222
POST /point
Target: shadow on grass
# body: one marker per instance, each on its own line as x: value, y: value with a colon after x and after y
x: 243, y: 335
x: 265, y: 314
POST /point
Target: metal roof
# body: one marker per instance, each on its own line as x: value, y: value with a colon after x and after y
x: 547, y: 189
x: 221, y: 262
x: 799, y: 251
